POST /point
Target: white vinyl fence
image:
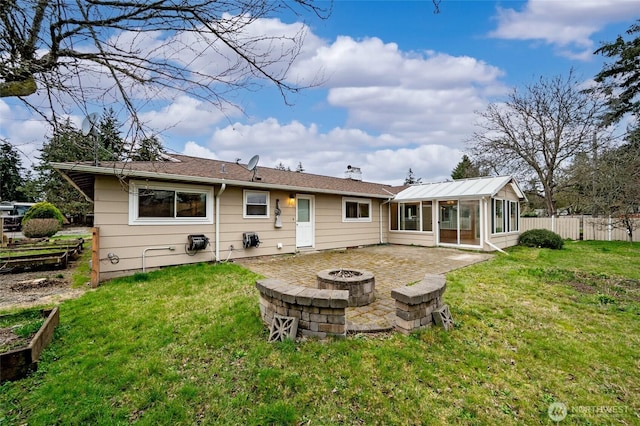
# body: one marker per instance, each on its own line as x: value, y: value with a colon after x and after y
x: 581, y: 227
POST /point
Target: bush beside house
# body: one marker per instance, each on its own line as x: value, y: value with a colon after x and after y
x: 541, y: 238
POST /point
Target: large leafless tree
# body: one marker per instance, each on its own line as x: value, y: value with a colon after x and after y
x: 537, y: 131
x: 76, y: 52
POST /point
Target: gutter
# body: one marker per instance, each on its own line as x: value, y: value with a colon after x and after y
x: 222, y: 188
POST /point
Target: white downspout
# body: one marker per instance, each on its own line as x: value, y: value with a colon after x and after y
x: 217, y: 254
x: 381, y: 231
x: 487, y: 225
x: 490, y: 244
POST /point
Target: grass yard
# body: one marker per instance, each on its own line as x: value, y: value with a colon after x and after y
x: 185, y: 345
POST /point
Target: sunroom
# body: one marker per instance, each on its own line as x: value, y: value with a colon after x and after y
x: 478, y: 214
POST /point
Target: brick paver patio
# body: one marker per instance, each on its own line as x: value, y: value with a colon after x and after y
x: 393, y: 266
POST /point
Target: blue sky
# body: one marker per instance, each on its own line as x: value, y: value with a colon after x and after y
x: 400, y: 85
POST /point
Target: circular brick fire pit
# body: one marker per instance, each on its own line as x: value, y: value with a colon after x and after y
x: 360, y: 283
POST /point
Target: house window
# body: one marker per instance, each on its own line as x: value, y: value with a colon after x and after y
x: 505, y: 216
x: 427, y: 216
x: 354, y: 210
x: 498, y: 216
x: 405, y: 216
x: 514, y: 214
x: 168, y: 204
x: 256, y: 204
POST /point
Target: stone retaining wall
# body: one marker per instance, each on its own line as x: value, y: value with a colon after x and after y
x: 320, y: 313
x: 416, y: 304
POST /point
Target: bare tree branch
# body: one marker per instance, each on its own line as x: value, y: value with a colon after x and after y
x: 54, y: 47
x: 536, y: 132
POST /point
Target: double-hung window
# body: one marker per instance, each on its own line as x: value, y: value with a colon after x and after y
x: 354, y: 210
x: 162, y: 203
x: 256, y: 204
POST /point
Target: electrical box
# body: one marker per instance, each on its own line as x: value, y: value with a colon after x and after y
x: 250, y: 239
x: 197, y: 242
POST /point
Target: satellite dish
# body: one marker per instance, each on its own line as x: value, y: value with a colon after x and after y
x: 253, y: 162
x: 89, y: 123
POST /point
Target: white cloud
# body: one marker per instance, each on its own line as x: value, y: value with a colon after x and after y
x: 568, y: 25
x: 187, y: 116
x: 371, y: 62
x: 194, y: 150
x: 383, y: 158
x: 415, y: 95
x: 24, y: 131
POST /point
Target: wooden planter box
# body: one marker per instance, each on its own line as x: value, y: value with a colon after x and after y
x: 17, y: 363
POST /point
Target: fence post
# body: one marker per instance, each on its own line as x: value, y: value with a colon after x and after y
x: 610, y: 229
x: 553, y: 223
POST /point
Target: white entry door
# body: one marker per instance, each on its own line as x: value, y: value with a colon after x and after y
x: 304, y: 221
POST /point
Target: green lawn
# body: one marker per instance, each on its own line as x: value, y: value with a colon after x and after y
x: 186, y: 346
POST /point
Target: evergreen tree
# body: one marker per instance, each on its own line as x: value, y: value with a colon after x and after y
x: 11, y: 180
x: 111, y: 142
x: 465, y: 169
x: 148, y: 149
x: 300, y: 169
x: 411, y: 179
x: 67, y: 144
x: 619, y: 80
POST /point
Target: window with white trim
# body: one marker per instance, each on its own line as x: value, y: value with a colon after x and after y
x: 497, y: 216
x: 514, y: 215
x: 160, y: 203
x: 505, y: 215
x: 355, y: 210
x: 406, y: 216
x: 256, y: 204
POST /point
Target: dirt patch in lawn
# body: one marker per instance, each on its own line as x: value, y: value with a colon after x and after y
x: 37, y: 288
x: 9, y: 340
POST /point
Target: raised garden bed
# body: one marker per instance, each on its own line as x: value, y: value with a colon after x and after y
x: 42, y: 255
x: 18, y: 362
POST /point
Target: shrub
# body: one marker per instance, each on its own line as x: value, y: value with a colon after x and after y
x: 43, y: 210
x: 541, y: 238
x: 38, y: 228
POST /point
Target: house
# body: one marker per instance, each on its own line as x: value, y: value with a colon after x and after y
x: 186, y: 209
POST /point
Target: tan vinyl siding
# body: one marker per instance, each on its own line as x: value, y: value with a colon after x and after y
x: 503, y: 240
x: 129, y: 242
x: 332, y: 232
x: 426, y: 239
x: 233, y: 225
